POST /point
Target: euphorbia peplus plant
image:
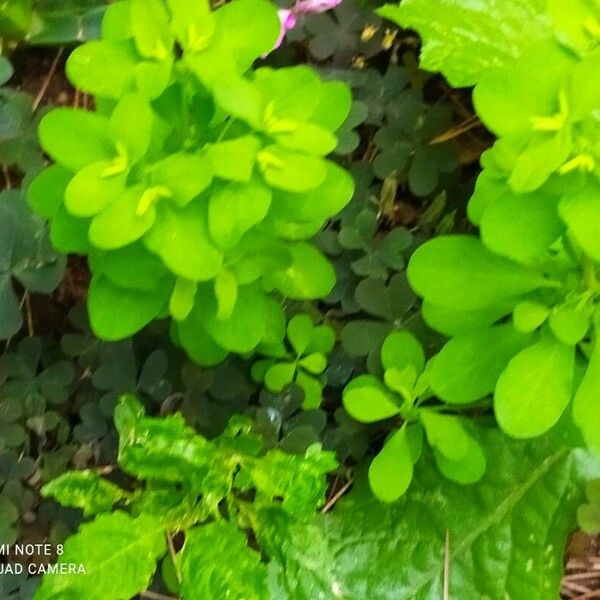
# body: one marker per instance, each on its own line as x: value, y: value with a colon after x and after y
x: 522, y: 303
x: 196, y: 183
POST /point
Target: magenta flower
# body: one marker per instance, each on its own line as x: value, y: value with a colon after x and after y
x: 301, y: 8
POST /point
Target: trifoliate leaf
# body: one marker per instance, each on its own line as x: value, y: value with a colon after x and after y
x: 291, y: 171
x: 299, y: 332
x: 279, y: 375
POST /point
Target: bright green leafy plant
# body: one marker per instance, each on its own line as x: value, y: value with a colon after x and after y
x: 195, y: 185
x: 308, y: 359
x: 212, y: 491
x: 401, y: 395
x: 521, y: 302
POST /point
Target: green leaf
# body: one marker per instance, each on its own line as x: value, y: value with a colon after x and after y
x: 314, y: 363
x: 528, y: 316
x: 245, y: 328
x: 534, y: 389
x: 90, y: 191
x: 117, y: 313
x: 192, y: 24
x: 580, y: 210
x: 150, y: 27
x: 234, y: 208
x: 248, y: 43
x: 466, y: 470
x: 309, y: 276
x: 299, y: 332
x: 184, y: 175
x: 458, y: 272
x: 319, y: 204
x: 103, y: 68
x: 226, y: 290
x: 10, y: 314
x: 207, y: 570
x: 586, y: 407
x: 312, y: 389
x: 234, y: 159
x: 464, y: 40
x: 131, y: 125
x: 85, y: 490
x: 334, y: 105
x: 182, y: 298
x: 75, y: 138
x: 118, y: 553
x: 530, y: 487
x: 180, y: 237
x: 6, y: 70
x: 568, y: 324
x: 45, y: 193
x: 129, y: 267
x: 454, y: 321
x: 446, y: 434
x: 279, y: 375
x: 469, y: 365
x: 122, y: 222
x: 531, y: 86
x: 542, y: 157
x: 291, y: 171
x: 401, y: 349
x: 366, y: 399
x: 391, y: 471
x: 299, y: 480
x: 521, y: 227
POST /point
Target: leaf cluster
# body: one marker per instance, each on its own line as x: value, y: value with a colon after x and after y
x: 195, y: 184
x: 212, y: 491
x: 520, y: 301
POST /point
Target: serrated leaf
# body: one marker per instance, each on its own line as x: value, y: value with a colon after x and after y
x: 464, y: 40
x: 85, y: 490
x: 119, y: 555
x: 207, y: 570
